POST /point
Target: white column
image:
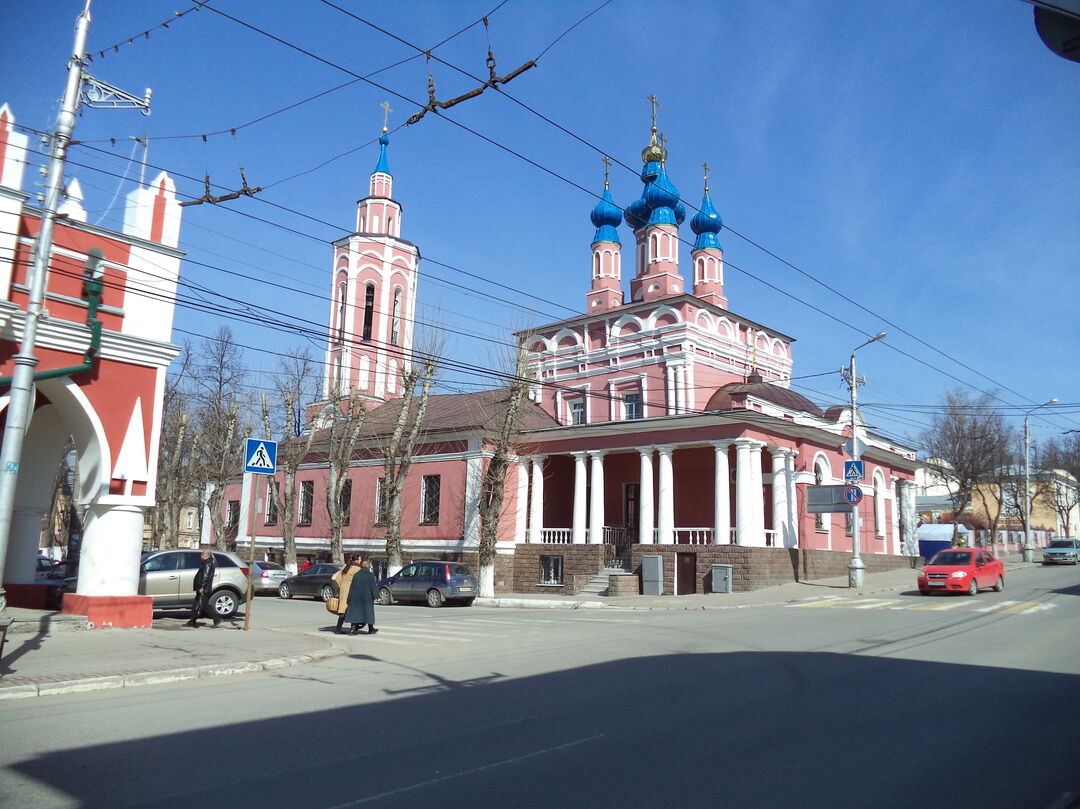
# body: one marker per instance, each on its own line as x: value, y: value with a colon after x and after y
x: 721, y: 494
x: 665, y: 518
x: 780, y: 514
x: 536, y: 505
x: 613, y: 403
x: 112, y: 544
x: 596, y: 504
x: 792, y: 540
x: 743, y: 518
x: 580, y: 483
x: 669, y: 385
x: 757, y: 495
x: 521, y: 511
x: 645, y: 496
x: 680, y: 389
x: 894, y: 519
x: 645, y: 411
x: 690, y: 404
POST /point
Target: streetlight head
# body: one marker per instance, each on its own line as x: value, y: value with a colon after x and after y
x: 878, y: 336
x: 1052, y: 401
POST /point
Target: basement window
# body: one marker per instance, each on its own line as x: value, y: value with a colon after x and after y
x: 551, y: 570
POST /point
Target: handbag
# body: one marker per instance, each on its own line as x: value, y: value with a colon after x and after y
x: 332, y: 604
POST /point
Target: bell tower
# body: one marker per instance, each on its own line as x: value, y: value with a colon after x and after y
x: 373, y: 297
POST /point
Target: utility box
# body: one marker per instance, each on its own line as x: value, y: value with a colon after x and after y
x: 721, y: 578
x: 652, y: 575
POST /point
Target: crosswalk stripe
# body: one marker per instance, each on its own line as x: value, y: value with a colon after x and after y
x: 939, y: 607
x: 1001, y: 605
x: 829, y: 602
x: 1038, y: 608
x: 874, y: 603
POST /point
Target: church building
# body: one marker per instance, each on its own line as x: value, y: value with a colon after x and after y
x: 660, y: 423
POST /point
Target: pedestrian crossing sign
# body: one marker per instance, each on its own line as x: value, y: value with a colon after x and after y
x: 260, y: 456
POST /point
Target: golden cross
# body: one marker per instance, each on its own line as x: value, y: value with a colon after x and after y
x: 607, y: 169
x: 386, y: 115
x: 655, y: 106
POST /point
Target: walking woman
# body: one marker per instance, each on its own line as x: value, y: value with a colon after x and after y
x: 362, y: 595
x: 343, y: 579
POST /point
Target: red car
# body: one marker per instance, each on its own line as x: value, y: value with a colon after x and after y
x: 965, y: 570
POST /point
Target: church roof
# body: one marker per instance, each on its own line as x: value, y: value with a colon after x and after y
x: 733, y: 395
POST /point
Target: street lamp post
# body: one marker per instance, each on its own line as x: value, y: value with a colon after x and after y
x: 856, y: 568
x: 1029, y: 547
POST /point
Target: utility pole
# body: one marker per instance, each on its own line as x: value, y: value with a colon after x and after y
x: 20, y: 403
x: 856, y: 568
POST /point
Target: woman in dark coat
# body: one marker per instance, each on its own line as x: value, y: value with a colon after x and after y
x: 362, y: 595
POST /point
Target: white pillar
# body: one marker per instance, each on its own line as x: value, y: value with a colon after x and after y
x: 665, y: 518
x: 536, y: 504
x: 521, y: 511
x: 721, y: 494
x: 792, y: 540
x: 580, y: 483
x: 743, y: 518
x: 757, y: 495
x: 596, y: 505
x: 112, y: 545
x: 645, y: 496
x: 669, y: 384
x: 780, y: 513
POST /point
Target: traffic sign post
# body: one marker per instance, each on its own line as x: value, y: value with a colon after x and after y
x: 260, y: 458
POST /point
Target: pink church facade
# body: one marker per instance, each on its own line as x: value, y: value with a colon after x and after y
x: 659, y: 422
x: 111, y: 411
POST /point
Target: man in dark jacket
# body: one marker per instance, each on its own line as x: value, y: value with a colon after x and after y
x: 204, y: 583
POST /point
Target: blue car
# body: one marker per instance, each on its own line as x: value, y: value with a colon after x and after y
x: 432, y: 581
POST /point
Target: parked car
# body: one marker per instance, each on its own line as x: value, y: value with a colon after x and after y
x: 48, y: 568
x: 314, y: 582
x: 435, y: 582
x: 266, y: 577
x: 169, y: 578
x: 1062, y: 552
x: 965, y: 570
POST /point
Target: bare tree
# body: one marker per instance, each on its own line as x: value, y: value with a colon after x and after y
x: 493, y: 481
x: 344, y: 418
x: 992, y: 491
x: 217, y: 388
x: 288, y: 421
x: 1062, y: 455
x: 177, y: 472
x: 399, y: 447
x: 1020, y: 494
x: 964, y: 442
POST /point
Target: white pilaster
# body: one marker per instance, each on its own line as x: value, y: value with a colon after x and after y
x: 112, y: 543
x: 665, y: 518
x: 596, y: 505
x: 721, y: 494
x: 669, y: 384
x: 646, y: 509
x: 580, y: 484
x: 792, y: 540
x: 757, y: 495
x: 521, y: 511
x: 743, y: 518
x: 780, y: 512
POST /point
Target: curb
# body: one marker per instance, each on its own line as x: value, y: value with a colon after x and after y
x: 525, y: 603
x: 107, y: 681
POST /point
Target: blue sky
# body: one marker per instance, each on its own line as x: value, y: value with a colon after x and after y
x: 920, y: 159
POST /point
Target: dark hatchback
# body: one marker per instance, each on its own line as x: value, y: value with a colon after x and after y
x: 314, y: 582
x: 434, y: 582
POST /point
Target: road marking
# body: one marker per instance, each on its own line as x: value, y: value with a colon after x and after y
x: 1038, y: 608
x: 1001, y: 606
x: 939, y: 607
x: 829, y: 602
x: 874, y: 603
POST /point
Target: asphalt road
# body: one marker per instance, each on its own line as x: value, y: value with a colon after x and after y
x: 890, y: 701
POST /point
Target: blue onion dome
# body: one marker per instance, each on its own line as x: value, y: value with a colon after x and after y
x: 662, y: 216
x: 706, y: 223
x: 661, y: 192
x: 606, y: 216
x: 383, y: 166
x: 680, y: 213
x: 637, y: 213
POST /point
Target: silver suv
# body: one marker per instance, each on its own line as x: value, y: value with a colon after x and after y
x: 1062, y: 552
x: 169, y: 578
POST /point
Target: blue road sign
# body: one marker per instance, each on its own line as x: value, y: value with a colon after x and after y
x: 853, y: 471
x: 260, y: 456
x: 853, y: 495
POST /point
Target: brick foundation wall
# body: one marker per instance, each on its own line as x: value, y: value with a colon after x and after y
x: 756, y: 568
x: 579, y: 561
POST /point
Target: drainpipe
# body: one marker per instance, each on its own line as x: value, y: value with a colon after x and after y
x: 92, y: 287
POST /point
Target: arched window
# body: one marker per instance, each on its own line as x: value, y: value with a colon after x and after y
x: 395, y: 323
x: 343, y: 289
x: 369, y: 311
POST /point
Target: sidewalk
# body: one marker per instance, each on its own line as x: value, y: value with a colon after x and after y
x: 48, y: 653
